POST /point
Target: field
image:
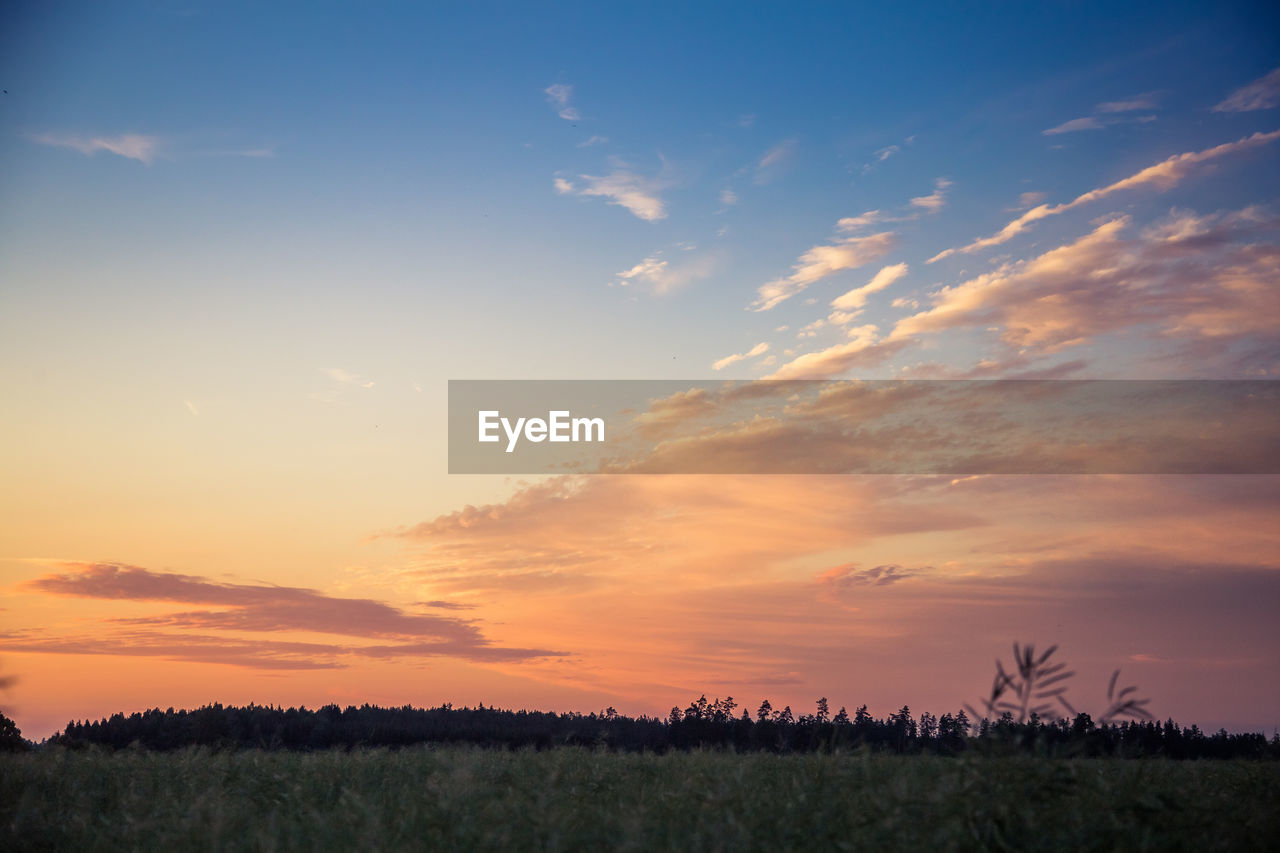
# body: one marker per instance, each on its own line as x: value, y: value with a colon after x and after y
x: 463, y: 798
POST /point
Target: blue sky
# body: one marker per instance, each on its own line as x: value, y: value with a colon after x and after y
x: 405, y: 156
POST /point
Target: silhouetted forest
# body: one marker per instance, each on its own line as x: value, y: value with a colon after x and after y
x: 714, y: 724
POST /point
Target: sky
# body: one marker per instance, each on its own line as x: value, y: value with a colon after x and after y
x: 244, y: 247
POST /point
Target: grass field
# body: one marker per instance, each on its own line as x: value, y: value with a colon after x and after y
x: 571, y: 799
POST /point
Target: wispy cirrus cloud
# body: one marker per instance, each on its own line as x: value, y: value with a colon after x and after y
x: 558, y: 95
x: 757, y: 350
x: 853, y: 224
x: 913, y: 210
x: 135, y: 146
x: 145, y: 148
x: 1160, y: 177
x: 663, y: 276
x: 863, y: 348
x: 854, y: 301
x: 773, y: 161
x: 1075, y: 125
x: 849, y: 252
x: 934, y: 201
x: 635, y: 193
x: 886, y: 152
x: 882, y: 154
x: 649, y: 270
x: 1109, y: 113
x: 1261, y: 94
x: 1145, y: 101
x: 821, y: 261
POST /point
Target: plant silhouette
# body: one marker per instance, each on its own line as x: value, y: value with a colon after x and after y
x: 1120, y: 706
x: 1036, y: 685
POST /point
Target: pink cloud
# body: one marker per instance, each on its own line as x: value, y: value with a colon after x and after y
x: 1160, y: 177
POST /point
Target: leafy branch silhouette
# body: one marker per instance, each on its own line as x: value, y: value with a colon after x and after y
x: 1035, y: 685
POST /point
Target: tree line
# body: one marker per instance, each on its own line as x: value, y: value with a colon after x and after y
x: 718, y: 724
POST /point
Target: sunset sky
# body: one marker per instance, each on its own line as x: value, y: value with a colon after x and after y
x: 244, y: 246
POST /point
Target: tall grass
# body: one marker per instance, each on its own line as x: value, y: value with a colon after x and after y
x: 463, y: 798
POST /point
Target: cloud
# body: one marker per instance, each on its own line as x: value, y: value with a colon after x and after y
x: 701, y: 524
x: 1137, y: 102
x: 850, y: 224
x: 855, y: 300
x: 1029, y: 199
x: 865, y: 349
x: 558, y: 96
x: 849, y: 575
x: 776, y: 154
x: 728, y: 198
x: 595, y: 140
x: 1189, y: 278
x: 1161, y: 177
x: 663, y: 276
x: 673, y: 411
x: 251, y: 608
x: 811, y: 330
x: 956, y: 428
x: 933, y: 202
x: 882, y: 154
x: 135, y: 146
x: 650, y: 270
x: 821, y: 261
x: 918, y: 206
x: 1261, y: 94
x: 447, y: 605
x: 1108, y: 113
x: 691, y: 579
x: 1019, y: 365
x: 1076, y: 124
x: 624, y: 188
x: 758, y: 349
x: 773, y: 160
x: 256, y: 654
